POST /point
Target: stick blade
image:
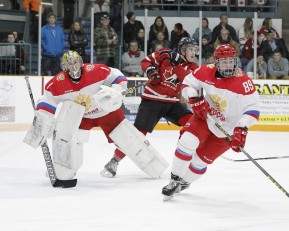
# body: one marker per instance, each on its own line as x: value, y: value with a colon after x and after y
x: 65, y: 183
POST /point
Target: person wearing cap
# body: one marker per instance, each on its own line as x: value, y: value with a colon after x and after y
x: 105, y: 41
x: 131, y: 28
x: 270, y: 44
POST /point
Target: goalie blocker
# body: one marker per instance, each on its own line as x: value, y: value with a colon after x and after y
x: 135, y: 145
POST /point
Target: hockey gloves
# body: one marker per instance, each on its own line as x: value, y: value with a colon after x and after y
x: 200, y: 106
x: 153, y: 75
x: 174, y: 57
x: 238, y: 138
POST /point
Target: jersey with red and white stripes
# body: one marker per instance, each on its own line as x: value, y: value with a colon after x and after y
x: 234, y: 101
x: 170, y: 83
x: 60, y: 88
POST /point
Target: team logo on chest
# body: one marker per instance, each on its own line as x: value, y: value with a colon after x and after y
x: 219, y: 102
x: 84, y: 100
x: 171, y: 78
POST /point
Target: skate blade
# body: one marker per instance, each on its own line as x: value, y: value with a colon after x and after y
x: 168, y: 198
x: 106, y: 174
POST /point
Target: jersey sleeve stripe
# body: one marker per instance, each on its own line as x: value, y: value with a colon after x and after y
x: 119, y: 79
x: 46, y: 107
x: 253, y: 113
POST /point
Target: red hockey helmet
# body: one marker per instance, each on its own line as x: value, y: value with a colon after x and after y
x: 226, y: 59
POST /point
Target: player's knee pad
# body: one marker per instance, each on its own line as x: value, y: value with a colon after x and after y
x: 135, y: 145
x: 188, y: 143
x: 68, y: 139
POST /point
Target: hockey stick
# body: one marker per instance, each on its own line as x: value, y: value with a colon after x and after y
x: 132, y: 89
x: 47, y: 157
x: 261, y: 158
x: 251, y: 158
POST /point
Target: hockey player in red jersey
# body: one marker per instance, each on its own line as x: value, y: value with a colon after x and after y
x: 230, y: 99
x: 160, y: 96
x: 91, y: 96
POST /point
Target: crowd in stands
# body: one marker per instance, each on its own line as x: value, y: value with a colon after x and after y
x: 272, y: 53
x: 269, y: 45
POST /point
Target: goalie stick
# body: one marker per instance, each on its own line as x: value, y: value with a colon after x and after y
x: 47, y: 157
x: 260, y: 158
x: 249, y: 156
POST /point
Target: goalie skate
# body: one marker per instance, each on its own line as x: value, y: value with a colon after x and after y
x: 110, y: 168
x: 172, y: 188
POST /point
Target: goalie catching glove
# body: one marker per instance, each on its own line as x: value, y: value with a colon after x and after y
x: 238, y: 138
x: 200, y: 107
x: 41, y: 129
x: 109, y: 99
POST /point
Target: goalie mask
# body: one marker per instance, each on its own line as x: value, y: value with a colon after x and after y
x: 188, y: 48
x: 226, y: 60
x: 72, y: 63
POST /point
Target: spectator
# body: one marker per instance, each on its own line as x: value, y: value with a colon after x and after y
x: 224, y: 25
x: 267, y: 25
x: 247, y: 53
x: 12, y: 58
x: 176, y: 35
x: 115, y: 15
x: 278, y: 66
x: 140, y: 38
x: 32, y: 7
x: 130, y: 29
x: 209, y: 58
x: 78, y: 40
x: 15, y: 33
x: 158, y: 26
x: 105, y: 40
x: 100, y: 7
x: 161, y: 40
x: 52, y: 43
x: 68, y: 18
x: 271, y: 44
x: 225, y: 38
x: 206, y: 47
x: 261, y: 67
x: 205, y: 31
x: 158, y: 46
x: 131, y: 60
x: 245, y: 32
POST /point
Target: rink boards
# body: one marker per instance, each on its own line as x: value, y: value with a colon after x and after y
x: 16, y: 112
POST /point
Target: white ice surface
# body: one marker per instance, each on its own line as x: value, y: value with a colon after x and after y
x: 231, y: 196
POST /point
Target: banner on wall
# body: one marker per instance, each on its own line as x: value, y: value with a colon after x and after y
x: 274, y: 99
x: 7, y: 99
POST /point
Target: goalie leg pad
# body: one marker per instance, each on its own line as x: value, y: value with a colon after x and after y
x: 135, y: 145
x: 68, y: 139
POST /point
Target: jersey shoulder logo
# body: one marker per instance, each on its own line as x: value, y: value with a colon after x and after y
x: 89, y: 67
x: 60, y: 77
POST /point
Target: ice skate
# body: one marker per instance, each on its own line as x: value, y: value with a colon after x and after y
x: 110, y: 168
x: 172, y: 188
x: 184, y: 185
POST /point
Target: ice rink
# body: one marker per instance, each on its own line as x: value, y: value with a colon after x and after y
x: 231, y: 196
